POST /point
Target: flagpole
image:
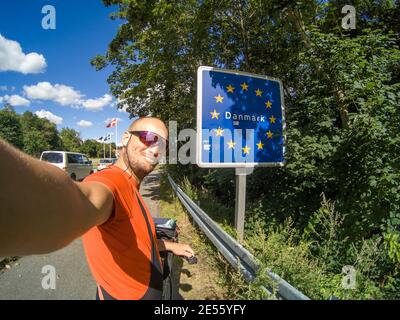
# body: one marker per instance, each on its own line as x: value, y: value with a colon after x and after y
x: 116, y: 137
x: 113, y: 123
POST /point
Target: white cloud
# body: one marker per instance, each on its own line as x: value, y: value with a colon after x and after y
x: 65, y: 96
x: 97, y: 104
x: 49, y: 116
x: 84, y: 124
x: 15, y: 100
x: 13, y: 59
x: 59, y: 93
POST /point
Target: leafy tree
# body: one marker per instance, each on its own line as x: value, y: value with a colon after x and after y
x: 91, y: 148
x: 39, y: 134
x: 10, y: 127
x: 101, y: 149
x: 71, y: 140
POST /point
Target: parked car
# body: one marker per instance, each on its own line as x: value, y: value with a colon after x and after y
x: 76, y: 165
x: 104, y: 163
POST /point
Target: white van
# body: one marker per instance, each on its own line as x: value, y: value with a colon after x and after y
x: 76, y: 165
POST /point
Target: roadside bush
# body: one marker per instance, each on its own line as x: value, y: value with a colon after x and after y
x: 312, y: 260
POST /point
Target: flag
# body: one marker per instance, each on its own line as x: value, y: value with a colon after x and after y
x: 101, y: 139
x: 112, y: 123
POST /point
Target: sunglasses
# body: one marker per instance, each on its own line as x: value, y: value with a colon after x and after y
x: 149, y: 138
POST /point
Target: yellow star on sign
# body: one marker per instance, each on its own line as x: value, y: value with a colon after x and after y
x: 246, y: 150
x: 219, y: 98
x: 269, y: 134
x: 244, y: 86
x: 272, y: 119
x: 214, y: 114
x: 219, y: 132
x: 260, y: 145
x: 268, y: 104
x: 258, y: 93
x: 231, y: 144
x: 230, y: 88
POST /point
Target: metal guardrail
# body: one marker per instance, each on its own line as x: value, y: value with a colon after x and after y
x: 238, y: 257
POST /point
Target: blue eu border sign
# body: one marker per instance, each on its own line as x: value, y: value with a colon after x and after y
x: 240, y: 119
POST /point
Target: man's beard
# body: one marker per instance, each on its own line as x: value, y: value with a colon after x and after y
x: 135, y: 167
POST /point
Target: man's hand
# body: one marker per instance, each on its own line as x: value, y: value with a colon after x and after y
x: 178, y: 249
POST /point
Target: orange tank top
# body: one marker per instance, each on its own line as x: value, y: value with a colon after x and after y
x: 123, y: 253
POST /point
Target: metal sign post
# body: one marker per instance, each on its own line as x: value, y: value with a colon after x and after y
x: 240, y: 124
x: 240, y: 201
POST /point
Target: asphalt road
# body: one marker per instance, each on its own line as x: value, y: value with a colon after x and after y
x: 149, y: 189
x: 73, y: 279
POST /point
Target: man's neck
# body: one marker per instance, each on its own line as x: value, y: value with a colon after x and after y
x: 122, y: 165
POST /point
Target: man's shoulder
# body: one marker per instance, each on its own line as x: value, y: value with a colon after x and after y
x: 107, y: 172
x: 112, y: 177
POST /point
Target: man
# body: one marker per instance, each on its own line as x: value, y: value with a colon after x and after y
x: 42, y: 210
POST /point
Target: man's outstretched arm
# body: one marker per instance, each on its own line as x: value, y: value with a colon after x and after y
x: 41, y: 208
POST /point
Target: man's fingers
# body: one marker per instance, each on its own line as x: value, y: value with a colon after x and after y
x: 190, y: 251
x: 184, y: 250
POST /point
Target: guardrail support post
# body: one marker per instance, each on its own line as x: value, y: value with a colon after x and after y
x: 240, y: 201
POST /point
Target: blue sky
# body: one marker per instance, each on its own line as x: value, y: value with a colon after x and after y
x: 48, y: 72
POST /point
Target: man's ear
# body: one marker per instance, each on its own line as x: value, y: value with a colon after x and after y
x: 125, y: 139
